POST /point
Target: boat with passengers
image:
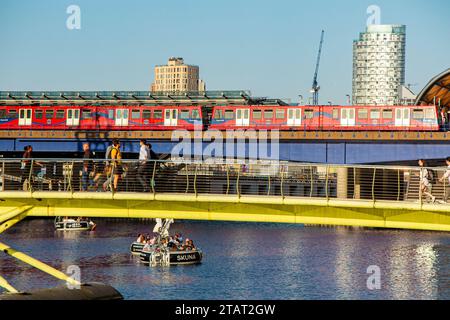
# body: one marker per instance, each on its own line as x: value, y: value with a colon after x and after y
x: 78, y: 224
x: 166, y: 250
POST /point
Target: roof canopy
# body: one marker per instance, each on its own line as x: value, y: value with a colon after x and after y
x: 132, y: 98
x: 437, y: 91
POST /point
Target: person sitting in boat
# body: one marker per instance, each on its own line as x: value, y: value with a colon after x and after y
x: 178, y: 238
x: 140, y: 238
x: 172, y: 244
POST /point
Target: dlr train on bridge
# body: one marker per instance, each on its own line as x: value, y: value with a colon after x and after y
x: 195, y: 117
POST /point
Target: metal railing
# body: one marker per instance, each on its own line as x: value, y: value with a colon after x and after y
x: 283, y: 179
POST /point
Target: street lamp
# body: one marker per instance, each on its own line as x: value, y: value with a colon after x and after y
x: 300, y: 99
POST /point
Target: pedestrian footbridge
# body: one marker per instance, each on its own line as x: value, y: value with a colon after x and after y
x: 282, y: 192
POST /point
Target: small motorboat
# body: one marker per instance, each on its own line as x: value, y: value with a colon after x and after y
x: 136, y: 247
x: 159, y: 254
x: 74, y: 224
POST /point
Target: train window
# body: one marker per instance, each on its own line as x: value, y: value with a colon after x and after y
x: 362, y: 114
x: 387, y: 114
x: 3, y: 114
x: 86, y: 114
x: 135, y: 114
x: 49, y: 114
x: 229, y: 114
x: 417, y: 114
x: 429, y: 114
x: 218, y: 114
x: 157, y: 114
x: 146, y: 114
x: 195, y: 114
x: 375, y: 114
x: 60, y: 114
x: 268, y: 114
x: 184, y: 114
x: 335, y: 114
x: 12, y: 114
x: 257, y: 114
x: 309, y: 114
x: 38, y: 114
x: 279, y: 114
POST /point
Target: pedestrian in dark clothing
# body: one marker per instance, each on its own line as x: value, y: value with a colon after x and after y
x: 86, y: 174
x: 142, y: 171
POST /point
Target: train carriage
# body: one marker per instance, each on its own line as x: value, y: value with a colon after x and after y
x: 347, y: 118
x: 102, y: 117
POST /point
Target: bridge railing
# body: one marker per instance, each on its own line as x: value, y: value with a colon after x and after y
x: 282, y: 179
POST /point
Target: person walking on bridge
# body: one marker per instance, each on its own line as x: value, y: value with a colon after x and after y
x: 426, y: 180
x: 117, y: 169
x: 446, y: 180
x: 144, y: 157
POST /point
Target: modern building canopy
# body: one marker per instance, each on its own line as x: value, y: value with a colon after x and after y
x: 437, y: 91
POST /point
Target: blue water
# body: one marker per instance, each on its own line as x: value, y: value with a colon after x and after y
x: 242, y: 261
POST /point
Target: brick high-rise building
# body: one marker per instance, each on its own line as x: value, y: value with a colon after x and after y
x: 177, y: 77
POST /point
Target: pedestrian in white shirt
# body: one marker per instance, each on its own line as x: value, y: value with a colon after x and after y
x: 143, y: 165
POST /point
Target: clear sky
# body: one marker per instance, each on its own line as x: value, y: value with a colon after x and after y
x: 267, y: 47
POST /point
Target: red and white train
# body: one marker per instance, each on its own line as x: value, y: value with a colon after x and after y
x: 125, y: 118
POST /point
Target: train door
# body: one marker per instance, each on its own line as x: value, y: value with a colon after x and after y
x: 243, y: 117
x: 402, y: 117
x: 171, y: 117
x: 25, y: 117
x: 73, y: 117
x: 347, y: 117
x: 294, y: 117
x: 122, y: 116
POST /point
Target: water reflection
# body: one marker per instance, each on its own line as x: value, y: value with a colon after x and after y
x: 242, y: 261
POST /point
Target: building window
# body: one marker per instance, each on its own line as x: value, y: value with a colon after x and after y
x: 279, y: 114
x: 196, y: 114
x: 229, y: 114
x: 309, y: 114
x: 218, y: 114
x: 86, y: 114
x: 375, y: 114
x: 335, y: 114
x: 157, y: 114
x: 146, y: 114
x: 268, y: 114
x: 12, y: 114
x: 417, y: 114
x: 257, y: 114
x: 362, y: 113
x: 135, y: 114
x: 184, y: 114
x: 60, y: 114
x: 387, y: 114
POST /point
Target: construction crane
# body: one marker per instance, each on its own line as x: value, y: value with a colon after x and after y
x: 315, y: 86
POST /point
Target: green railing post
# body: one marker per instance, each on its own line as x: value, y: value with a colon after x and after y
x: 152, y: 183
x: 195, y: 180
x: 228, y: 178
x: 237, y: 182
x: 373, y: 183
x: 187, y: 179
x: 30, y: 175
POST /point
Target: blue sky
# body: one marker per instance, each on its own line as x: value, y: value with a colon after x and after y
x: 267, y: 47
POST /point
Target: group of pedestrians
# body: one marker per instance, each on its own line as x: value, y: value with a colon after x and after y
x: 428, y: 177
x: 109, y: 173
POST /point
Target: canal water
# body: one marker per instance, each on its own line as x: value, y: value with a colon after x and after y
x: 242, y: 261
